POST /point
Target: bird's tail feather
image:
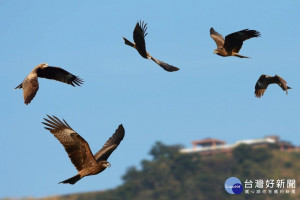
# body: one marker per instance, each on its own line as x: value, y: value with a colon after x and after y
x: 19, y: 86
x: 72, y: 180
x: 287, y: 89
x: 240, y: 56
x: 128, y: 42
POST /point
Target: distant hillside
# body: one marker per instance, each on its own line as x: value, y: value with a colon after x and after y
x: 174, y: 176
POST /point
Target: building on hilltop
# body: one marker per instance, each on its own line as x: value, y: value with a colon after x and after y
x: 211, y: 146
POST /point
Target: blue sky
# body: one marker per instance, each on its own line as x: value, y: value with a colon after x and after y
x: 210, y: 96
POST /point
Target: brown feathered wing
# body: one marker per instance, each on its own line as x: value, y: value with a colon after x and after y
x: 218, y: 38
x: 59, y: 74
x: 139, y: 35
x: 234, y: 41
x: 165, y: 66
x: 259, y: 92
x: 77, y: 148
x: 110, y: 145
x: 30, y: 87
x: 264, y: 81
x: 261, y: 86
x: 282, y: 83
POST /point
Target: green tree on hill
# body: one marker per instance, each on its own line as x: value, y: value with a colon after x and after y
x: 171, y: 175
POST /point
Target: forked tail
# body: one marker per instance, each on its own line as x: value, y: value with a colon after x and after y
x: 72, y: 180
x: 128, y: 42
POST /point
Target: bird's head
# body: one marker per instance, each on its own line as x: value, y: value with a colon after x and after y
x: 105, y: 164
x: 263, y: 76
x: 216, y: 51
x: 42, y: 65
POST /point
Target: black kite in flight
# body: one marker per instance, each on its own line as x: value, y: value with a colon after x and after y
x: 139, y: 35
x: 79, y: 151
x: 30, y: 84
x: 264, y: 81
x: 232, y: 43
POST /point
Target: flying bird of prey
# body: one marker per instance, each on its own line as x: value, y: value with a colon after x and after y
x: 264, y: 81
x: 79, y: 151
x: 232, y: 43
x: 139, y: 35
x: 30, y: 84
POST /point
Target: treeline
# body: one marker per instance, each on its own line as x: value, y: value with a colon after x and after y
x: 171, y: 175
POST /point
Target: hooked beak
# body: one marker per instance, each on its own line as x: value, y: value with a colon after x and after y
x: 108, y: 165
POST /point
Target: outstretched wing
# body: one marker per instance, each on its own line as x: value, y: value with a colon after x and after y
x: 165, y: 66
x: 261, y: 86
x: 282, y: 83
x: 259, y: 92
x: 59, y: 74
x: 218, y: 38
x: 111, y: 144
x: 30, y: 87
x: 139, y: 35
x: 234, y: 41
x: 77, y: 148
